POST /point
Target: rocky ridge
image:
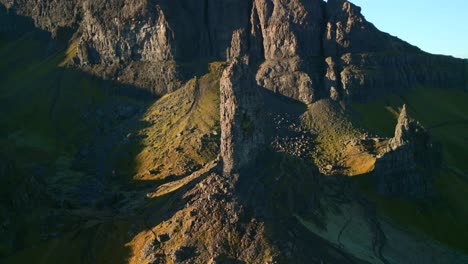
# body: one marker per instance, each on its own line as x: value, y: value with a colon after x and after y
x: 308, y: 49
x: 209, y: 228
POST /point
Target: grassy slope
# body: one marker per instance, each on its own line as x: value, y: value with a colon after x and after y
x: 41, y: 125
x: 329, y: 121
x: 183, y: 134
x: 35, y: 98
x: 444, y: 113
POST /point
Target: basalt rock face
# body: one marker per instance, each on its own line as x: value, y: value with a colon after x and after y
x: 204, y: 28
x: 291, y: 32
x: 363, y: 62
x: 48, y: 15
x: 347, y: 31
x: 141, y: 42
x: 130, y: 41
x: 396, y: 171
x: 309, y: 49
x: 363, y: 76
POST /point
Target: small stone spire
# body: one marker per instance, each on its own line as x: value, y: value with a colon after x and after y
x: 402, y: 130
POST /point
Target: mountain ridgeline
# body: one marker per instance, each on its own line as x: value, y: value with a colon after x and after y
x: 307, y: 49
x: 226, y: 131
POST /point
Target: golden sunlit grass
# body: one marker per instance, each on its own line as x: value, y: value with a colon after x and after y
x: 359, y: 163
x: 183, y: 131
x: 359, y: 159
x: 70, y: 53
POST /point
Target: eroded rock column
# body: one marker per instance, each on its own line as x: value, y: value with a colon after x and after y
x: 241, y: 108
x: 398, y: 171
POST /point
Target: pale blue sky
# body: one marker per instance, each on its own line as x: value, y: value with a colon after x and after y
x: 436, y: 26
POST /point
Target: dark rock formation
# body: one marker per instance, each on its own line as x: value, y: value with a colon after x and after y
x: 241, y: 128
x: 140, y: 42
x: 403, y: 131
x: 347, y: 31
x: 363, y: 76
x: 48, y: 15
x: 135, y: 34
x: 364, y: 62
x: 291, y: 37
x: 398, y: 171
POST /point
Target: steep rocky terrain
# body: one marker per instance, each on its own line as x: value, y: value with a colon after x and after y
x: 157, y: 131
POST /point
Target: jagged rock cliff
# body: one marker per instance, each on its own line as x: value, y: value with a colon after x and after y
x: 310, y: 49
x: 398, y: 171
x: 291, y: 42
x: 364, y: 62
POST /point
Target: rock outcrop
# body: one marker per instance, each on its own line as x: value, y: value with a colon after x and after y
x: 363, y: 76
x: 241, y: 109
x: 308, y: 49
x: 212, y: 227
x: 137, y: 33
x: 48, y: 15
x: 398, y: 171
x: 347, y: 31
x: 363, y: 62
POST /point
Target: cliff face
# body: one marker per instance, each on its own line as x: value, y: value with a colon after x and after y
x: 137, y: 33
x: 363, y: 62
x: 291, y: 32
x: 48, y: 15
x: 309, y: 49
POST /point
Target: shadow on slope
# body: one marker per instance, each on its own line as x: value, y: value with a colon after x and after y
x: 444, y: 114
x: 81, y: 154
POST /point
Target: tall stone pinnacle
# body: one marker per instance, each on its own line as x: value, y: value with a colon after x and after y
x: 240, y: 109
